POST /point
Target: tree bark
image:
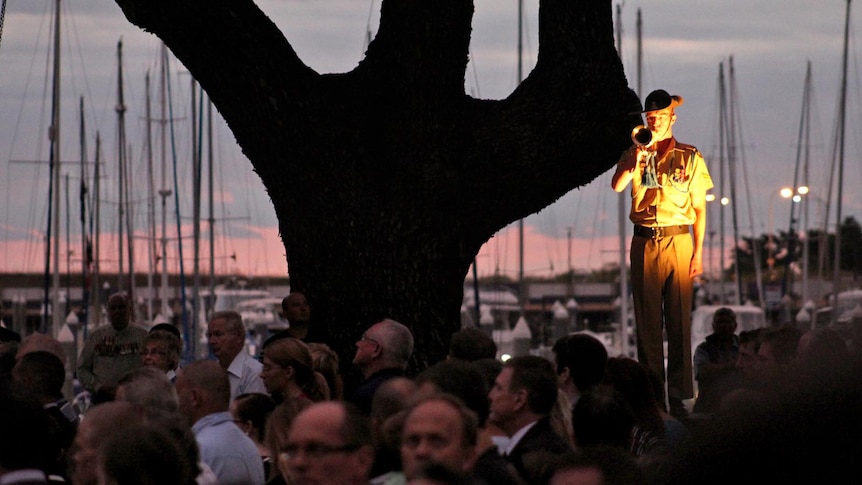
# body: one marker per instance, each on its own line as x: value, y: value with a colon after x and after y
x: 387, y: 180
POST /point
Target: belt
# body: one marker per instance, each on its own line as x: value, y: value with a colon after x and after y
x: 660, y: 232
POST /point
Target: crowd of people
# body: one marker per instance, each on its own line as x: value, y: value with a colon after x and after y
x: 776, y: 404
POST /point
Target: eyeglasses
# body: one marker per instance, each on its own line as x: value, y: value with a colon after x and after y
x: 315, y: 450
x: 366, y: 337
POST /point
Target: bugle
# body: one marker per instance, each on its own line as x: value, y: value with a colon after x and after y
x: 642, y: 136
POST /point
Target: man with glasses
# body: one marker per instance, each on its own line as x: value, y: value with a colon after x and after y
x: 328, y: 442
x: 381, y: 354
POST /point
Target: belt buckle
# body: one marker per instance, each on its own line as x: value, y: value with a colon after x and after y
x: 657, y: 233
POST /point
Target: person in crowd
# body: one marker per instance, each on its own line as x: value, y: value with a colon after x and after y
x: 275, y: 437
x: 603, y: 417
x: 804, y: 430
x: 521, y: 401
x: 250, y: 412
x: 777, y: 351
x: 325, y: 361
x: 381, y: 354
x: 28, y: 455
x: 386, y: 419
x: 328, y: 442
x: 143, y: 454
x: 40, y: 341
x: 605, y: 465
x: 9, y: 343
x: 630, y: 379
x: 297, y: 312
x: 669, y: 183
x: 580, y: 361
x: 111, y: 351
x: 288, y: 372
x: 439, y: 429
x: 675, y: 431
x: 39, y: 376
x: 746, y: 357
x: 226, y: 335
x: 148, y: 388
x: 204, y: 398
x: 101, y: 421
x: 472, y: 344
x: 821, y: 346
x: 715, y: 362
x: 467, y: 381
x: 162, y: 351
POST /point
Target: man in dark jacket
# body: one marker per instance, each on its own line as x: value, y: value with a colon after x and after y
x: 522, y: 398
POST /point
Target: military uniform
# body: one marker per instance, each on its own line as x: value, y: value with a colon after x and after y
x: 108, y: 354
x: 661, y: 253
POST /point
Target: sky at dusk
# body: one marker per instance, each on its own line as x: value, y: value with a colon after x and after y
x: 684, y: 43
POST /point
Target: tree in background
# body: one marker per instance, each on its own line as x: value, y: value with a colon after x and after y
x: 387, y: 179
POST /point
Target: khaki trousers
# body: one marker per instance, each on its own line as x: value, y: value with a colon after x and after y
x: 662, y: 291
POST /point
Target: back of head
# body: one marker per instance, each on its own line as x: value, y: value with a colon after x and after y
x: 209, y: 376
x: 325, y: 361
x: 632, y: 380
x: 148, y: 388
x: 144, y: 454
x: 397, y: 342
x: 536, y: 376
x: 585, y: 357
x: 254, y: 407
x: 41, y: 341
x: 616, y: 466
x: 391, y: 397
x: 783, y: 340
x: 461, y: 379
x: 278, y: 422
x: 472, y: 344
x: 602, y: 416
x: 291, y: 352
x: 40, y: 374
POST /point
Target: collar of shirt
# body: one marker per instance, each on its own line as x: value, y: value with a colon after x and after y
x: 513, y: 441
x: 211, y: 420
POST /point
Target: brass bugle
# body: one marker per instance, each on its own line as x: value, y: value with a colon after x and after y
x: 641, y: 136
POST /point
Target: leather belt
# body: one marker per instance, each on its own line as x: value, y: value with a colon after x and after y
x: 660, y: 232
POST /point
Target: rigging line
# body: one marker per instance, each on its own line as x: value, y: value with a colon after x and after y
x: 2, y: 18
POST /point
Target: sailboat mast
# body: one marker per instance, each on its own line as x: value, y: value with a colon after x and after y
x: 211, y: 156
x: 722, y: 129
x: 842, y: 107
x: 731, y: 162
x: 121, y: 151
x: 165, y: 191
x: 801, y: 157
x: 56, y: 313
x: 151, y: 209
x: 97, y: 172
x: 85, y: 246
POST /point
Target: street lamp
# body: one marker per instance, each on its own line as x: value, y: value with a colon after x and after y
x: 785, y: 193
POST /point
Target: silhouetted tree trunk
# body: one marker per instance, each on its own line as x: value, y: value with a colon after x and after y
x: 387, y: 180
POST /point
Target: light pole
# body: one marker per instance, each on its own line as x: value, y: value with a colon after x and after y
x: 786, y: 193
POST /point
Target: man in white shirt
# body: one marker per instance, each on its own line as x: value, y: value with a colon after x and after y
x: 226, y: 336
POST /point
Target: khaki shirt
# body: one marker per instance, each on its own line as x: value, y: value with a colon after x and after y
x: 681, y: 173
